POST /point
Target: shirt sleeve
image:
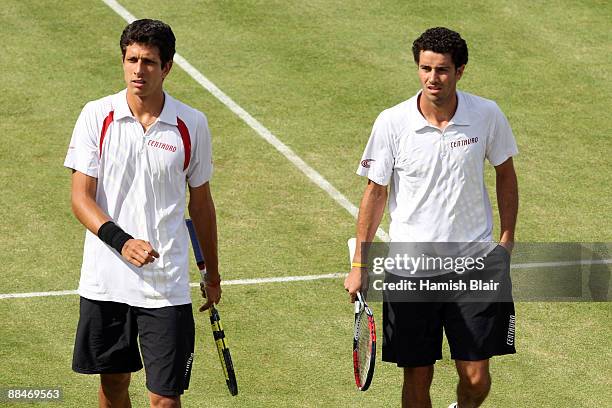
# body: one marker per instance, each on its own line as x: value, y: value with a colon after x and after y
x: 201, y: 166
x: 83, y: 154
x: 501, y: 143
x: 378, y: 158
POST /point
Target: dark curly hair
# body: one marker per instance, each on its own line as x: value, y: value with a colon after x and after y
x: 443, y: 41
x: 150, y: 32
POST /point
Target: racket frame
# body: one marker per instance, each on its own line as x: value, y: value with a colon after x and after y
x: 361, y: 307
x: 215, y: 320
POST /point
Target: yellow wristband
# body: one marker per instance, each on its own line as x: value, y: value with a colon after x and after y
x: 358, y: 265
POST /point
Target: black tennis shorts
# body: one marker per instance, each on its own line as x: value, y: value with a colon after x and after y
x: 106, y: 343
x: 412, y: 331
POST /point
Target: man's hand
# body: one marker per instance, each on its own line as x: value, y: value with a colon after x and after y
x: 211, y: 291
x: 355, y: 282
x: 138, y: 252
x: 508, y: 246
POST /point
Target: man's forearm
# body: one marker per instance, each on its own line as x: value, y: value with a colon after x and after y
x: 507, y: 201
x: 206, y: 229
x: 203, y: 215
x: 84, y: 205
x: 371, y: 210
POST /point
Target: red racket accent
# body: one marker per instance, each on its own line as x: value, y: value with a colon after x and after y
x: 356, y: 368
x: 372, y: 329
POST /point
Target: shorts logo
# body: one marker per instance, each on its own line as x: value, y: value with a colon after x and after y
x: 188, y: 367
x: 366, y: 163
x: 510, y: 336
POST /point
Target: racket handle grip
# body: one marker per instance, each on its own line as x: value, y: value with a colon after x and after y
x: 197, y: 250
x: 358, y: 302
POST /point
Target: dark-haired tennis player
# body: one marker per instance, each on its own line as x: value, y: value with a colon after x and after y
x: 431, y: 150
x: 132, y: 154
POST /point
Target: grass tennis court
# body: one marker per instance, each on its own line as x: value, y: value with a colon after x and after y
x: 316, y: 74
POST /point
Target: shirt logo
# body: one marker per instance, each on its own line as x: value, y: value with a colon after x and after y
x: 366, y: 163
x: 463, y: 142
x: 162, y: 146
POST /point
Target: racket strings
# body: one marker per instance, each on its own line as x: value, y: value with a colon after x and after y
x: 364, y: 346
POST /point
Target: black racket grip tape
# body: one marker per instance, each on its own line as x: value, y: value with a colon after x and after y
x: 197, y: 251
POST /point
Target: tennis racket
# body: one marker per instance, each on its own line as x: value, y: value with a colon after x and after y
x: 364, y: 338
x: 215, y: 321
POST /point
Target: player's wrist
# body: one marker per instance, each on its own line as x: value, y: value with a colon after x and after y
x: 359, y: 265
x: 212, y: 280
x: 111, y: 234
x: 507, y: 235
x: 358, y: 271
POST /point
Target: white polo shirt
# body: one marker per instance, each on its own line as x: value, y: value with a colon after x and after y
x: 142, y: 187
x: 438, y: 192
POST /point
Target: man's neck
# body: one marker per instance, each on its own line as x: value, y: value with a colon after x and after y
x: 145, y: 107
x: 438, y: 114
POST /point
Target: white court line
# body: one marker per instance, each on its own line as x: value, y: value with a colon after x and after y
x: 37, y: 294
x: 561, y: 263
x: 257, y: 281
x: 260, y: 129
x: 254, y: 281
